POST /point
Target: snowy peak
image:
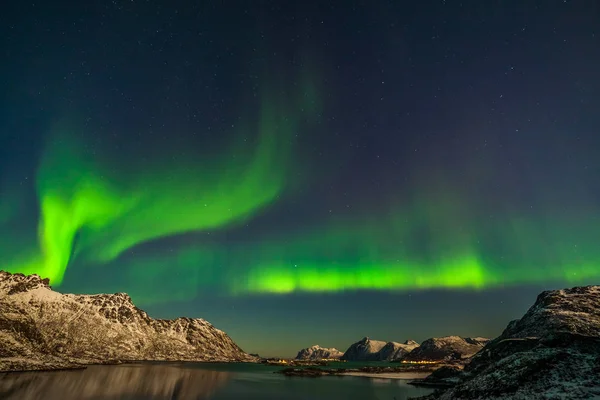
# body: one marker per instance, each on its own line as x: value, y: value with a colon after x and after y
x: 367, y: 349
x: 317, y: 352
x: 446, y: 348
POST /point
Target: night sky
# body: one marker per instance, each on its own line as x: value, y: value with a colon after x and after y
x: 303, y: 173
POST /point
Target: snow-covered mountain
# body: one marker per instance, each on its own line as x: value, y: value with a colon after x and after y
x: 317, y: 352
x: 553, y: 352
x: 367, y: 349
x: 446, y: 348
x: 43, y: 329
x: 396, y: 351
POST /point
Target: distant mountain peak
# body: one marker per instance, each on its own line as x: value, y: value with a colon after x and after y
x: 317, y: 352
x: 368, y: 349
x: 446, y: 348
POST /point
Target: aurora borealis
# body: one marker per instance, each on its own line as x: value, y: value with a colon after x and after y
x: 208, y: 159
x: 112, y: 214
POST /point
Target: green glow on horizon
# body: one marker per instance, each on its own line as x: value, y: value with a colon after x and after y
x: 461, y: 274
x: 433, y: 241
x: 464, y: 273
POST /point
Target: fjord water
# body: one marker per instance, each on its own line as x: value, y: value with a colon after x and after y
x: 192, y: 381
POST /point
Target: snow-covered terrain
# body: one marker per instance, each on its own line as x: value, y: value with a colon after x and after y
x: 446, y: 348
x: 43, y: 329
x: 367, y: 349
x: 553, y: 352
x: 317, y: 352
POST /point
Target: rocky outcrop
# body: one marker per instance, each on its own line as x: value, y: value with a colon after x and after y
x: 317, y: 352
x: 43, y: 329
x: 552, y: 352
x: 446, y: 348
x: 367, y: 349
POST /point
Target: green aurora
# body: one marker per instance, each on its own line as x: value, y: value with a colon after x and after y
x: 88, y: 212
x: 94, y: 215
x: 418, y: 248
x: 425, y: 248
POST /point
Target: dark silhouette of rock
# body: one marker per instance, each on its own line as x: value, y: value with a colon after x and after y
x: 445, y: 376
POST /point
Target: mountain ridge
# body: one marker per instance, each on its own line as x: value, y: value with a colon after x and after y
x: 44, y: 329
x: 446, y: 348
x: 368, y: 349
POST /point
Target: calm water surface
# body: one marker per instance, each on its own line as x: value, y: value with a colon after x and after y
x: 190, y: 381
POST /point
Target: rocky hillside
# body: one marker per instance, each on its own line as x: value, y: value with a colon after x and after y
x: 43, y: 329
x: 553, y: 352
x: 446, y: 348
x: 367, y: 349
x: 317, y: 352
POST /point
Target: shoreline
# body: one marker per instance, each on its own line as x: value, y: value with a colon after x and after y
x: 409, y: 376
x: 367, y: 371
x: 66, y: 365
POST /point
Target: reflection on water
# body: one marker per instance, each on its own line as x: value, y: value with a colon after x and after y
x: 114, y: 382
x: 194, y: 382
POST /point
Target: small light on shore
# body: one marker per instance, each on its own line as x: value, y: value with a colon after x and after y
x: 420, y: 362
